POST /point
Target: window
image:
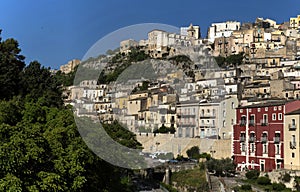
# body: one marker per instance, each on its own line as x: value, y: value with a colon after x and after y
x: 265, y: 120
x: 243, y: 121
x: 279, y: 116
x: 232, y: 105
x: 277, y: 149
x: 252, y: 120
x: 242, y: 137
x: 252, y: 148
x: 279, y: 108
x: 241, y: 110
x: 293, y: 155
x: 265, y: 148
x: 258, y: 109
x: 243, y: 147
x: 232, y: 122
x: 275, y: 108
x: 293, y: 122
x: 274, y: 116
x: 266, y: 108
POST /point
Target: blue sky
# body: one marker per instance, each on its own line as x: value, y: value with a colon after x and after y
x: 56, y: 31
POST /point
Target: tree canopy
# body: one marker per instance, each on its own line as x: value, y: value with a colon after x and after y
x: 41, y: 148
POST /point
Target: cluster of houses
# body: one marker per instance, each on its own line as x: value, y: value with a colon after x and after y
x: 255, y: 104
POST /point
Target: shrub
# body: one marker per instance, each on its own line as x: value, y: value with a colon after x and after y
x: 286, y: 177
x: 252, y: 174
x: 205, y: 155
x: 202, y: 165
x: 246, y: 187
x: 263, y: 180
x: 278, y: 186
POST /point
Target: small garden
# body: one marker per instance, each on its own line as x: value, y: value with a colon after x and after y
x: 254, y: 180
x: 192, y: 180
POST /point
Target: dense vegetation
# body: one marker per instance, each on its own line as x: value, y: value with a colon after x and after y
x: 192, y: 180
x: 121, y: 61
x: 261, y: 182
x: 41, y: 149
x: 221, y: 167
x: 230, y: 60
x: 164, y: 129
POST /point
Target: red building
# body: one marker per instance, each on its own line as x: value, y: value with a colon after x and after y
x: 258, y: 135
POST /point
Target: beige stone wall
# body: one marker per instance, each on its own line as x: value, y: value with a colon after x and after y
x: 289, y: 161
x: 168, y: 143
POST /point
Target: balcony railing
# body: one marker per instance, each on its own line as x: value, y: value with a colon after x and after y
x: 242, y: 139
x: 264, y: 123
x: 208, y: 115
x: 251, y: 123
x: 276, y: 139
x: 187, y: 115
x: 243, y: 123
x: 292, y: 126
x: 293, y: 145
x: 251, y: 139
x: 264, y: 139
x: 207, y: 126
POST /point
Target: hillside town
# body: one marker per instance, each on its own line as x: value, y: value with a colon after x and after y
x: 238, y: 98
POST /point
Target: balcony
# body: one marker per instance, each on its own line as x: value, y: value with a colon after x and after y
x: 276, y: 139
x: 208, y: 115
x: 264, y: 124
x: 251, y: 124
x: 207, y: 126
x: 243, y: 123
x: 264, y: 139
x: 187, y: 115
x: 186, y: 125
x: 251, y: 139
x: 293, y: 145
x: 242, y: 139
x: 292, y: 127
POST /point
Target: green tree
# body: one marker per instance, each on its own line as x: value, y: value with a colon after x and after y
x: 37, y: 82
x: 221, y: 167
x: 44, y: 152
x: 11, y: 66
x: 193, y: 152
x: 220, y: 61
x: 235, y: 59
x: 263, y: 180
x: 252, y: 174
